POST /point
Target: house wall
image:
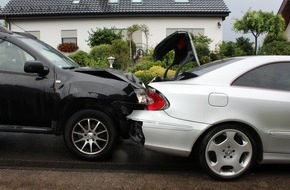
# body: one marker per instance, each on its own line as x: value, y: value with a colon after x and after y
x: 287, y: 31
x: 50, y: 30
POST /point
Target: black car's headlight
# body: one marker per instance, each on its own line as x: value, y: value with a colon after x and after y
x: 141, y: 95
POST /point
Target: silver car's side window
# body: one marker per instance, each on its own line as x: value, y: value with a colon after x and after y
x: 274, y: 76
x: 12, y: 58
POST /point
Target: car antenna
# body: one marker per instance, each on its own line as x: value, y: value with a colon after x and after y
x: 5, y: 30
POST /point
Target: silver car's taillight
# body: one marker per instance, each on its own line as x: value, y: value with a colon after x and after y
x: 156, y: 100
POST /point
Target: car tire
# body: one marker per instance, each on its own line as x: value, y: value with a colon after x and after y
x: 90, y: 135
x: 227, y: 152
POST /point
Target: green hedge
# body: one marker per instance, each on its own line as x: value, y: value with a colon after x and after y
x: 155, y: 71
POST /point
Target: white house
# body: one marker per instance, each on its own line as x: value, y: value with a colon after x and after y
x: 59, y: 21
x: 285, y: 12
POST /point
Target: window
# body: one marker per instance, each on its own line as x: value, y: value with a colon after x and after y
x: 69, y: 36
x: 54, y: 56
x: 12, y: 58
x: 181, y: 1
x: 113, y: 1
x: 136, y: 1
x: 274, y: 76
x: 194, y: 31
x: 76, y: 1
x: 35, y: 33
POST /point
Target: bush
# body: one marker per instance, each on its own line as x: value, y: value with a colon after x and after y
x: 156, y: 71
x: 145, y: 65
x: 201, y: 44
x: 121, y: 52
x: 214, y: 56
x: 275, y: 45
x: 102, y: 36
x: 144, y: 75
x: 82, y: 58
x: 189, y: 66
x: 201, y: 39
x: 101, y: 51
x: 245, y: 45
x: 275, y: 48
x: 100, y: 54
x: 203, y: 53
x: 273, y: 37
x: 230, y: 49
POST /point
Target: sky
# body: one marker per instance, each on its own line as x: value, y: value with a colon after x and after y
x: 237, y: 8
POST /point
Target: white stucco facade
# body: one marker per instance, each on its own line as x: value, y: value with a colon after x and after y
x: 287, y: 32
x: 50, y: 30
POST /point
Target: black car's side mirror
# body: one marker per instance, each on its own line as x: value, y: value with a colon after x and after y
x: 36, y: 67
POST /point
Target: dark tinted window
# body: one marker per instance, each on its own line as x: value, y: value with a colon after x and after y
x: 206, y: 68
x: 273, y: 76
x: 49, y: 53
x: 12, y: 58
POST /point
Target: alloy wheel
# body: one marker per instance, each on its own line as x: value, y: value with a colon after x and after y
x: 90, y: 136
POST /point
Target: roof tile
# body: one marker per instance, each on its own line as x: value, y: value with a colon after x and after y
x: 100, y: 7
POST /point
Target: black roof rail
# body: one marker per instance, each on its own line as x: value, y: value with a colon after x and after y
x: 5, y: 30
x: 25, y: 34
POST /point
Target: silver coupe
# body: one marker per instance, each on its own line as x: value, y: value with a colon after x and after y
x: 231, y: 113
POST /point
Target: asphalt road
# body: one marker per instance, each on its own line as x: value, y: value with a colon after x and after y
x: 33, y: 161
x: 37, y: 150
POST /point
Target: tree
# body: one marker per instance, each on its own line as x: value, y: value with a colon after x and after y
x: 145, y: 29
x: 200, y: 39
x: 275, y: 45
x: 130, y: 31
x: 201, y: 44
x: 230, y: 49
x: 103, y: 36
x: 245, y: 45
x: 135, y: 27
x: 259, y: 22
x: 276, y: 48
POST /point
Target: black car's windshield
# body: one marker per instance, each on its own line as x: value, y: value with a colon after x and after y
x: 54, y: 56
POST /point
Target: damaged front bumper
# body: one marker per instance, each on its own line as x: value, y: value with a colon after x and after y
x: 136, y: 133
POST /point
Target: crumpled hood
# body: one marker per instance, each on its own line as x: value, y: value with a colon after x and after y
x: 113, y: 74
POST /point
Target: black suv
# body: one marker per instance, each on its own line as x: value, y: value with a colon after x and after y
x: 43, y: 91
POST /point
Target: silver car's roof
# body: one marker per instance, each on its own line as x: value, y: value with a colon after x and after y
x: 226, y: 74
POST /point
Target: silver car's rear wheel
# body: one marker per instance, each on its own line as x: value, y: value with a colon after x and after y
x: 227, y: 152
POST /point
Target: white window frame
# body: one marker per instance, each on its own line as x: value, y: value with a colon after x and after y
x: 69, y: 36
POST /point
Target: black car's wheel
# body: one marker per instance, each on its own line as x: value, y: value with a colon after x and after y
x: 90, y: 134
x: 227, y: 152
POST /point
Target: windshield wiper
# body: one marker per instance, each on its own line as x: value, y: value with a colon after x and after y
x: 71, y: 67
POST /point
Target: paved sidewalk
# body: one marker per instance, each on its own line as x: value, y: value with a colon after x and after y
x: 41, y: 179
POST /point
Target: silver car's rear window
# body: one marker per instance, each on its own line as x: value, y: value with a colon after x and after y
x: 206, y: 68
